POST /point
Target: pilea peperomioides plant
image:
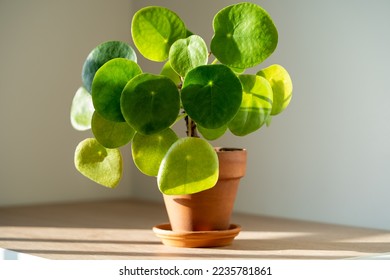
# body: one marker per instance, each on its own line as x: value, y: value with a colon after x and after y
x: 206, y: 89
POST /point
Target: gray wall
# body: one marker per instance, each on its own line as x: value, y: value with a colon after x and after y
x: 326, y: 158
x: 43, y: 44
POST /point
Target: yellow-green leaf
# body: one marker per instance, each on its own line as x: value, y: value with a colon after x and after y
x: 81, y: 110
x: 281, y: 85
x: 149, y: 150
x: 154, y: 30
x: 102, y: 165
x: 190, y: 166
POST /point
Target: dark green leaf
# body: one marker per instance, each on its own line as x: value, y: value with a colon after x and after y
x: 150, y: 103
x: 100, y: 55
x: 211, y: 95
x: 108, y: 84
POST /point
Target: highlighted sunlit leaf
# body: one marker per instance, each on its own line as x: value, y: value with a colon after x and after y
x: 102, y: 165
x: 81, y: 110
x: 154, y: 30
x: 255, y: 107
x: 190, y: 166
x: 149, y: 150
x: 281, y: 85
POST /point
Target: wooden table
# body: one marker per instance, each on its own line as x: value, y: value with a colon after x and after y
x: 122, y: 230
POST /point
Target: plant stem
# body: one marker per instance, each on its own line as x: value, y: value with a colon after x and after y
x: 191, y: 127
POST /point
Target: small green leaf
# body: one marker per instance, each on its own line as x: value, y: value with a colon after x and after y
x: 100, y: 55
x: 211, y: 95
x: 238, y: 70
x: 189, y: 33
x: 108, y: 84
x: 255, y: 107
x: 190, y: 166
x: 150, y: 103
x: 268, y: 121
x: 111, y: 134
x: 281, y: 85
x: 244, y: 35
x: 154, y: 30
x: 186, y: 54
x: 104, y: 166
x: 167, y: 71
x: 149, y: 150
x: 81, y: 110
x: 212, y: 134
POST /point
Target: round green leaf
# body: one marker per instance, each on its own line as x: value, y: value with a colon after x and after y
x: 149, y: 150
x: 81, y: 110
x: 167, y: 71
x: 150, y: 103
x: 255, y: 107
x: 212, y: 134
x: 104, y: 166
x: 281, y: 85
x: 211, y: 95
x: 111, y: 134
x: 154, y: 30
x: 190, y: 166
x: 244, y: 35
x: 186, y: 54
x: 100, y: 55
x: 108, y: 84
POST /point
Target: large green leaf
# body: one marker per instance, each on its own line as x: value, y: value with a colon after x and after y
x: 108, y: 84
x: 211, y: 95
x: 150, y: 103
x: 100, y: 55
x: 190, y: 166
x: 244, y: 35
x: 149, y: 150
x: 154, y: 30
x: 104, y: 166
x: 81, y: 110
x: 186, y: 54
x: 255, y: 107
x: 281, y: 85
x: 111, y: 134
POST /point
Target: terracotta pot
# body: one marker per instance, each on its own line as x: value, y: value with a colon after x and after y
x: 209, y: 210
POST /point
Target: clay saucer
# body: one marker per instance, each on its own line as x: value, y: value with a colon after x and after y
x: 196, y: 239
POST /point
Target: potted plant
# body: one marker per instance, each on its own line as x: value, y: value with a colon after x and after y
x: 204, y: 87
